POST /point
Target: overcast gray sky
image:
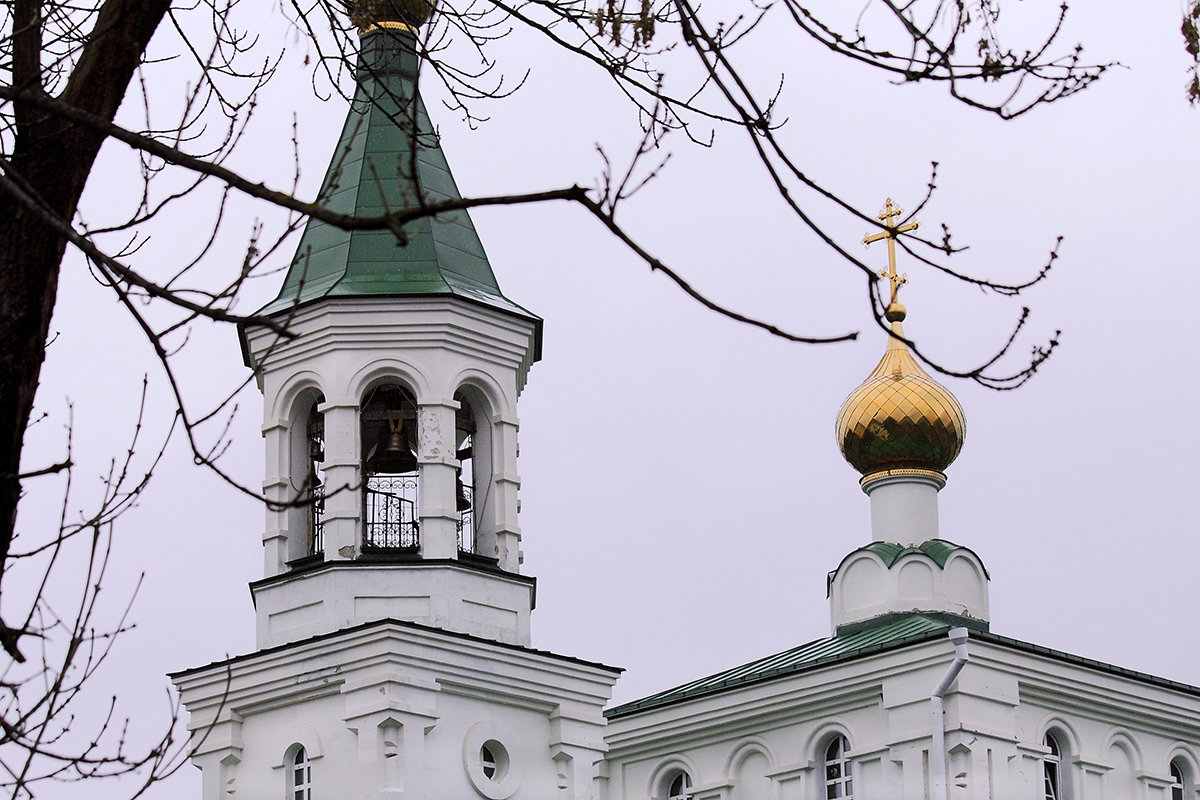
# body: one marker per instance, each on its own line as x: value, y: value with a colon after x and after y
x: 682, y: 494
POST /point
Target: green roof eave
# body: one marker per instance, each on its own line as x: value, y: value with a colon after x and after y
x: 822, y: 652
x: 892, y: 632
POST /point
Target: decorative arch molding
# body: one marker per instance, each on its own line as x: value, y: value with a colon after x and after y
x: 668, y: 766
x: 1184, y: 752
x: 972, y: 561
x: 915, y: 578
x: 854, y: 557
x: 746, y: 748
x: 862, y: 577
x: 918, y: 558
x: 965, y: 579
x: 292, y: 392
x: 476, y: 382
x: 1119, y: 737
x: 818, y: 740
x: 1062, y: 730
x: 297, y: 736
x: 386, y: 370
x: 1181, y: 757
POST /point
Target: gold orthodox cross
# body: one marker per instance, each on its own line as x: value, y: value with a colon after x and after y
x: 888, y: 217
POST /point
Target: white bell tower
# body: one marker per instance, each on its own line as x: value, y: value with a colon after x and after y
x: 393, y: 623
x: 392, y: 467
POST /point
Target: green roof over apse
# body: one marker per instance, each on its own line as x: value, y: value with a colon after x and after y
x: 375, y: 171
x: 890, y: 552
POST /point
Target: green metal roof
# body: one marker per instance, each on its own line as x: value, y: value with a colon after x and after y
x: 896, y: 632
x: 887, y: 633
x: 937, y: 549
x: 375, y: 171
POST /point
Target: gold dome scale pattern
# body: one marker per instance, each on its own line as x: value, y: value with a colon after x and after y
x: 900, y: 418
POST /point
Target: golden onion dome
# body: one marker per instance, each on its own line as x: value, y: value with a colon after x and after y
x: 900, y: 418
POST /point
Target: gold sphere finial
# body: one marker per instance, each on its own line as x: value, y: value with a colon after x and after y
x: 895, y: 312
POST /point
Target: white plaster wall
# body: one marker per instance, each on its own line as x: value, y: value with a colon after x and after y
x: 341, y: 595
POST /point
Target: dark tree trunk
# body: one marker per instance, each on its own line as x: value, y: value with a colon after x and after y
x: 51, y: 161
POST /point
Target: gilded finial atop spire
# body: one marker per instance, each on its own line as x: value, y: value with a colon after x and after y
x: 900, y: 420
x: 894, y: 312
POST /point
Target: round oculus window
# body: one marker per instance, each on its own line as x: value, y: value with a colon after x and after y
x: 493, y: 758
x: 488, y: 763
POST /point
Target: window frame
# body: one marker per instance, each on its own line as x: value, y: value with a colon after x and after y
x: 300, y: 781
x: 1180, y: 778
x: 836, y: 755
x: 1052, y: 767
x: 684, y: 780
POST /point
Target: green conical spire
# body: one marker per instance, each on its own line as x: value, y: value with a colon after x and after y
x: 375, y: 171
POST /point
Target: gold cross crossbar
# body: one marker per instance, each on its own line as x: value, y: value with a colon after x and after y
x: 888, y: 217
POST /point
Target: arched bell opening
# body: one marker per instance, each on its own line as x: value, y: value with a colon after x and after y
x: 306, y: 477
x: 388, y: 422
x: 473, y: 484
x: 464, y: 479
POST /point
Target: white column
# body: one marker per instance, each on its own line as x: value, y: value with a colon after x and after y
x: 275, y: 490
x: 506, y: 482
x: 343, y: 494
x: 436, y: 456
x: 904, y: 508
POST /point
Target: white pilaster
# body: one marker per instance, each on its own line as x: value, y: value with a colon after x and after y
x: 275, y: 492
x: 343, y: 497
x: 506, y: 538
x: 436, y: 456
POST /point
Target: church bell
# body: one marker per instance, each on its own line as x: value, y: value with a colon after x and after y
x: 397, y: 457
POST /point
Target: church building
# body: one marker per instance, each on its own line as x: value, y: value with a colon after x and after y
x: 394, y: 651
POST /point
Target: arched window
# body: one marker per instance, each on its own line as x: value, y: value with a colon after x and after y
x: 306, y: 477
x: 464, y: 439
x: 1181, y: 783
x: 1051, y: 768
x: 314, y: 439
x: 300, y: 776
x: 389, y: 469
x: 679, y: 785
x: 839, y: 778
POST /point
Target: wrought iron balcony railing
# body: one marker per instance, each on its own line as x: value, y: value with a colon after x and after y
x: 390, y: 519
x: 390, y: 516
x: 466, y: 523
x: 316, y: 522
